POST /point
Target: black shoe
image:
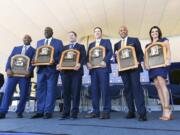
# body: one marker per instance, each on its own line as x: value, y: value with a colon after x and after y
x: 130, y: 115
x: 37, y: 115
x: 47, y: 115
x: 104, y: 116
x: 142, y: 118
x: 74, y: 115
x: 19, y: 115
x: 65, y: 116
x: 2, y: 115
x: 92, y: 115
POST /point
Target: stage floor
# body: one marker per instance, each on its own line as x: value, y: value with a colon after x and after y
x: 117, y: 125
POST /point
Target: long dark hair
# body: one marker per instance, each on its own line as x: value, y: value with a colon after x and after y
x: 159, y: 32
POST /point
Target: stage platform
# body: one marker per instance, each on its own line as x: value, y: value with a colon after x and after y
x: 117, y: 125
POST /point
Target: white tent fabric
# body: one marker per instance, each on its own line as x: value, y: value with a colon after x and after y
x: 19, y: 17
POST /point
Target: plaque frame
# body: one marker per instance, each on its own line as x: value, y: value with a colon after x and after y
x: 134, y: 59
x: 103, y: 55
x: 146, y: 60
x: 26, y: 68
x: 36, y: 63
x: 60, y: 67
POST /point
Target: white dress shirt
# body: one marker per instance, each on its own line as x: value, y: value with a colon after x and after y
x: 25, y: 48
x: 71, y: 45
x: 49, y: 41
x: 124, y: 41
x: 98, y: 42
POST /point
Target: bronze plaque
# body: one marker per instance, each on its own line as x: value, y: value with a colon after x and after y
x: 19, y: 65
x: 126, y: 58
x: 96, y: 56
x: 155, y: 55
x: 44, y: 55
x: 69, y: 59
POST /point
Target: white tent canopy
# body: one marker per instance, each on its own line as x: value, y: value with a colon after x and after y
x: 31, y: 16
x: 19, y: 17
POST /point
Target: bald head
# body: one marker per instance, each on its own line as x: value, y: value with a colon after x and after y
x: 48, y: 32
x: 123, y: 31
x: 27, y: 39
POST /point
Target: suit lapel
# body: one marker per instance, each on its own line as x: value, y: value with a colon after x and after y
x: 43, y: 41
x: 93, y: 44
x: 28, y: 50
x: 119, y: 45
x: 51, y: 43
x: 75, y: 46
x: 101, y: 42
x: 20, y: 49
x: 128, y: 41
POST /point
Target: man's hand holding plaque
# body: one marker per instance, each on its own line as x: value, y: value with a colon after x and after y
x: 9, y: 72
x: 77, y: 67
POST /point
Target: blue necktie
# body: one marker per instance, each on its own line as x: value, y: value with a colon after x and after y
x: 71, y: 46
x: 24, y: 49
x: 46, y: 43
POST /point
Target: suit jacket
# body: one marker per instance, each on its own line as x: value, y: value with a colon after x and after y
x: 58, y: 47
x: 82, y: 58
x: 1, y: 80
x: 137, y: 45
x: 17, y: 50
x: 108, y: 48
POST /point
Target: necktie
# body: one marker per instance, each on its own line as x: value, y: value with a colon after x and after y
x: 71, y: 46
x: 46, y: 43
x: 24, y: 50
x: 97, y: 43
x: 123, y: 43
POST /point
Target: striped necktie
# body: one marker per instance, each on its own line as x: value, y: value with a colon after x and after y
x: 24, y: 50
x: 97, y: 43
x: 71, y: 46
x: 46, y: 43
x: 123, y: 44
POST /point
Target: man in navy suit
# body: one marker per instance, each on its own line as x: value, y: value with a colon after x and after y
x: 24, y: 82
x: 100, y: 78
x: 72, y: 79
x: 47, y: 77
x: 131, y: 78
